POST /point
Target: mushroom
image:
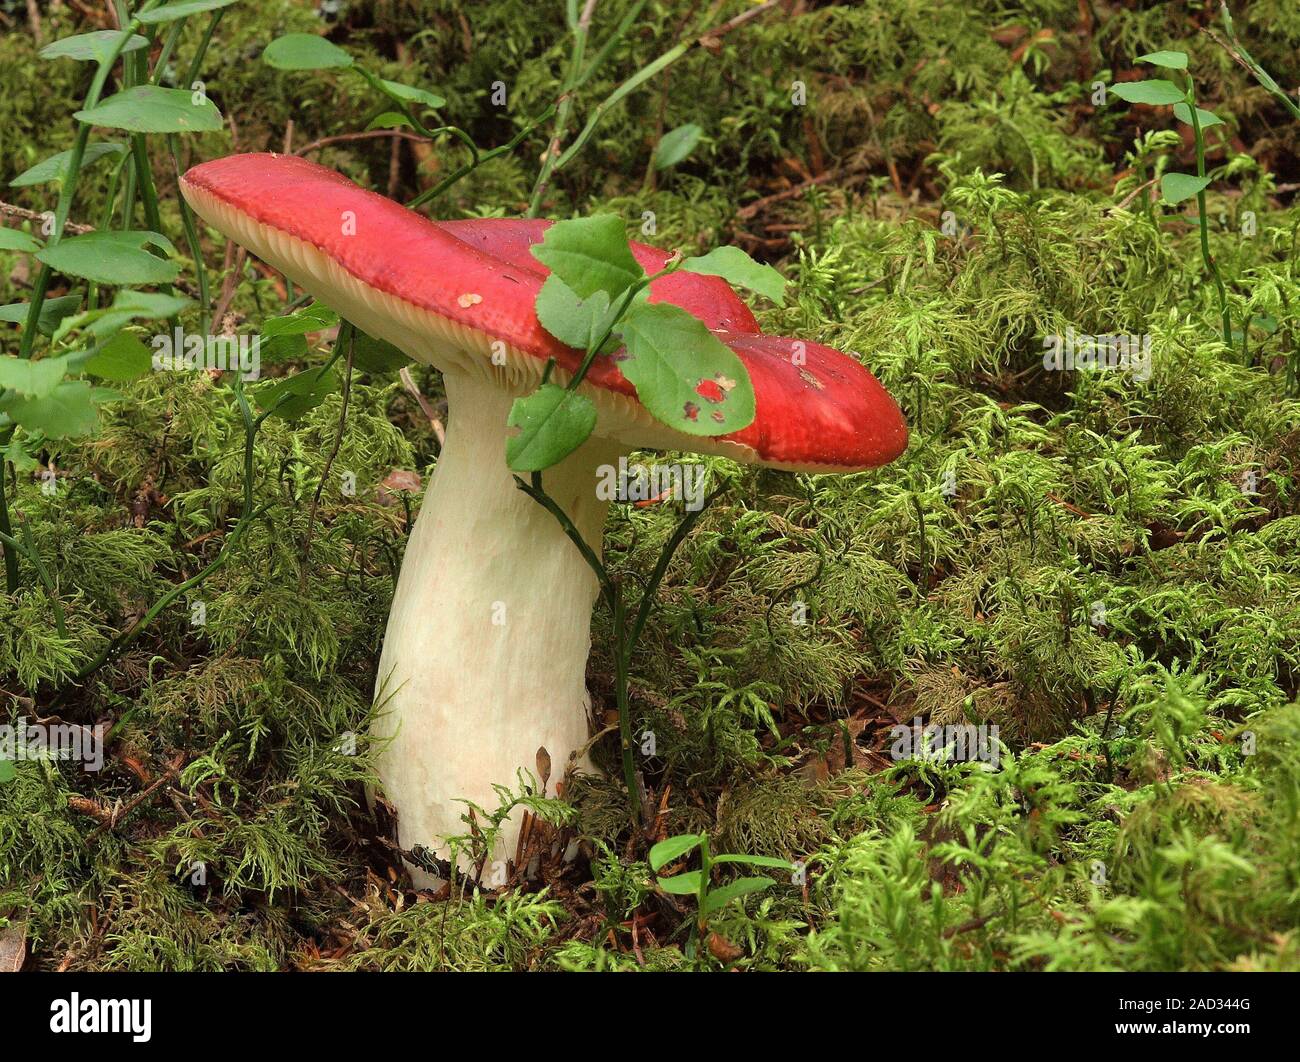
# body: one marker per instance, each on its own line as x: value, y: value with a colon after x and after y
x: 484, y: 660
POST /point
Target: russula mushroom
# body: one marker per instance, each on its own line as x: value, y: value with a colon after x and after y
x: 485, y: 655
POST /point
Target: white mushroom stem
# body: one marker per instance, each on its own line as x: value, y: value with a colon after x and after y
x: 485, y: 656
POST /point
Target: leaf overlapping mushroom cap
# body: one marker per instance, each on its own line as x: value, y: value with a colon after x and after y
x: 471, y: 286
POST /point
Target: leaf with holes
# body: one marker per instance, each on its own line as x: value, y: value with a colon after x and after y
x: 112, y: 258
x: 683, y: 374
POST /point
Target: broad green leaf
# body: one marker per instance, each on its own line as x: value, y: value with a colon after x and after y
x: 304, y: 51
x: 15, y: 240
x: 53, y: 311
x: 687, y: 884
x: 127, y: 306
x: 733, y: 890
x: 676, y: 144
x: 293, y: 396
x: 590, y: 255
x: 30, y: 378
x: 576, y: 322
x: 7, y: 771
x: 410, y: 94
x: 736, y: 267
x: 278, y: 349
x: 756, y: 861
x: 673, y: 848
x: 150, y: 109
x: 552, y: 422
x: 682, y: 372
x: 1175, y: 187
x: 180, y: 9
x: 93, y: 47
x: 55, y: 168
x: 16, y: 454
x: 389, y: 120
x: 66, y: 412
x: 376, y: 355
x: 1152, y: 92
x: 1207, y: 118
x: 1168, y: 60
x: 112, y: 258
x: 314, y: 318
x: 121, y: 359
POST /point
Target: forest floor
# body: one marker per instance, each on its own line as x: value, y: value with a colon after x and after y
x: 1096, y: 572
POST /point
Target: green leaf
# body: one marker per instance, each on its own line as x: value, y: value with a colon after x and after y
x: 127, y: 306
x: 55, y: 168
x: 150, y: 109
x: 676, y: 144
x: 1168, y: 60
x: 552, y: 423
x: 304, y: 51
x: 314, y: 318
x: 15, y: 240
x: 1153, y: 92
x: 112, y: 258
x: 687, y: 884
x: 121, y: 359
x: 672, y: 849
x: 574, y: 321
x: 66, y: 412
x: 733, y: 890
x: 295, y: 395
x: 7, y: 771
x: 1175, y: 187
x: 682, y: 372
x: 53, y: 311
x: 180, y: 9
x: 376, y: 355
x: 1207, y: 118
x: 29, y: 378
x: 411, y: 94
x: 756, y: 861
x: 389, y: 120
x: 91, y: 47
x: 590, y: 255
x: 736, y: 267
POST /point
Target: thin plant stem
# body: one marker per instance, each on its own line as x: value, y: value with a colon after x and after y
x: 1203, y: 222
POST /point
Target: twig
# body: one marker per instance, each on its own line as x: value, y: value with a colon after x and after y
x: 10, y: 210
x: 369, y: 134
x: 409, y: 383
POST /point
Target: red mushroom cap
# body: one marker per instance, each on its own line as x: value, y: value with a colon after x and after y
x: 451, y: 293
